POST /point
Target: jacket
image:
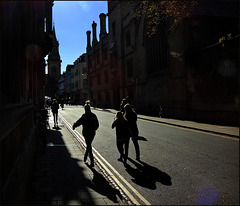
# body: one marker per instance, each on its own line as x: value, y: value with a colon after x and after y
x: 122, y: 130
x: 89, y: 123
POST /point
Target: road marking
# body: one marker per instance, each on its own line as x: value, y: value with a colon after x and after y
x: 98, y: 156
x: 192, y: 130
x: 125, y: 181
x: 62, y: 145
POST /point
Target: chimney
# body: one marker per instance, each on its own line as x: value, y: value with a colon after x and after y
x: 102, y: 17
x: 94, y: 41
x: 88, y: 39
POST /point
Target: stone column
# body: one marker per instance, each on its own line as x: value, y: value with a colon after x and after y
x: 88, y: 39
x: 102, y: 17
x: 94, y: 25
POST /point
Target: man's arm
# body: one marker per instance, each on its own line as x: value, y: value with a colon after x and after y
x: 77, y: 123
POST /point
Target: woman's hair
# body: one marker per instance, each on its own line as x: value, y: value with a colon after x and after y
x: 87, y: 108
x: 119, y: 115
x: 128, y: 107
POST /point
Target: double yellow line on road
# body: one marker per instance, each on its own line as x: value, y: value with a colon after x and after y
x: 104, y: 164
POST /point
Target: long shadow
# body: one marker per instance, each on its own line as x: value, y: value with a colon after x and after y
x: 102, y: 186
x: 60, y: 179
x: 142, y: 138
x: 146, y: 175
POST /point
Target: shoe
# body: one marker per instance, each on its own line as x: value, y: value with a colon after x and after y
x: 120, y: 159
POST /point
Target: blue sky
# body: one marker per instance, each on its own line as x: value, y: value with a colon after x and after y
x: 72, y: 19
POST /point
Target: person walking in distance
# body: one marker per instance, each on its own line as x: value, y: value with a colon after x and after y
x: 90, y: 124
x: 123, y: 136
x: 123, y: 103
x: 131, y: 118
x: 55, y: 107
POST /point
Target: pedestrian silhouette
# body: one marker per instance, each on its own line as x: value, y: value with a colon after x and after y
x: 55, y: 107
x: 62, y: 104
x: 122, y: 136
x: 123, y: 103
x: 89, y: 124
x: 131, y: 118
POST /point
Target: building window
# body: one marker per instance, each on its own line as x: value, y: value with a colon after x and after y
x: 84, y: 70
x: 85, y: 83
x: 128, y: 39
x: 76, y: 72
x: 45, y: 24
x: 82, y: 58
x: 157, y: 53
x: 76, y: 84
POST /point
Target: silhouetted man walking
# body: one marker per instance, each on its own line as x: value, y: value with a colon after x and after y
x: 90, y: 124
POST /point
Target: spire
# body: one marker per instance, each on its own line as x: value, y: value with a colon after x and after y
x: 54, y: 54
x: 54, y: 33
x: 94, y: 25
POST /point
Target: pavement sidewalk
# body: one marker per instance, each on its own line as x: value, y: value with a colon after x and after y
x: 215, y: 129
x: 60, y: 176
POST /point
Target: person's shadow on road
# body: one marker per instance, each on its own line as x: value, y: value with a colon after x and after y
x: 146, y: 175
x: 142, y: 138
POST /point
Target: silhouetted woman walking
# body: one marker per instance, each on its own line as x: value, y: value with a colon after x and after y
x: 131, y: 118
x: 123, y: 136
x: 55, y: 107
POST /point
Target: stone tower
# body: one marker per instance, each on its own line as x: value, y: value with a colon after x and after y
x: 54, y: 68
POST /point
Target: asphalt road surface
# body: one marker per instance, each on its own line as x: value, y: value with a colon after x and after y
x: 177, y: 166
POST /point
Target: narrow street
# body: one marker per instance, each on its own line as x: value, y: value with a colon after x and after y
x: 177, y: 166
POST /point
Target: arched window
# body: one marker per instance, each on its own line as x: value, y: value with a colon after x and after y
x: 157, y: 52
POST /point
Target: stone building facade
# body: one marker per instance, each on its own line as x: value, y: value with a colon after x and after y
x: 201, y: 84
x: 25, y: 39
x: 79, y: 80
x: 68, y: 81
x: 212, y: 68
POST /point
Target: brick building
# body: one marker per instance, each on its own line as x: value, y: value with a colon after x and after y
x: 103, y: 72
